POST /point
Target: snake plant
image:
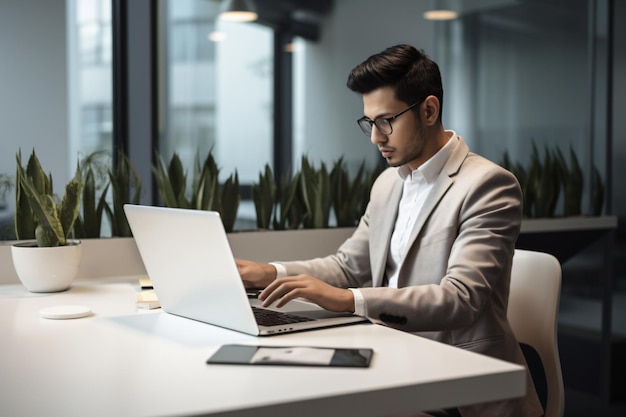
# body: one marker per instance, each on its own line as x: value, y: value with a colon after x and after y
x: 38, y: 215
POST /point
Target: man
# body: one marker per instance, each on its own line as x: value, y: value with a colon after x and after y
x: 432, y: 254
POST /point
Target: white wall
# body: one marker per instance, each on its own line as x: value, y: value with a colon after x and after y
x: 33, y: 86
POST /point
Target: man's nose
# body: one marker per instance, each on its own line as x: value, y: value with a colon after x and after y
x: 376, y: 137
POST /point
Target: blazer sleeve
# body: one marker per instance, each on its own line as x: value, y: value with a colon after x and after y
x: 351, y: 266
x: 348, y: 268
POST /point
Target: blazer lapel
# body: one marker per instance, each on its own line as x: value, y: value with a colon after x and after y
x: 381, y: 234
x: 442, y: 184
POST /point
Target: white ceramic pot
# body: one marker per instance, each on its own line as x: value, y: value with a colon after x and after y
x: 46, y: 269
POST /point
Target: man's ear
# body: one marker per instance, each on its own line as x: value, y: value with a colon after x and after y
x: 431, y: 109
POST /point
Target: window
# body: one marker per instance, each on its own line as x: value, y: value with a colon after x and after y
x: 218, y: 89
x: 90, y: 77
x: 93, y: 18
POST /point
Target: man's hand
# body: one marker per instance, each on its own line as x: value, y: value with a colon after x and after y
x: 255, y: 275
x: 283, y: 290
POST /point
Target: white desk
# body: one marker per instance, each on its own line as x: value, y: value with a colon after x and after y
x: 124, y: 362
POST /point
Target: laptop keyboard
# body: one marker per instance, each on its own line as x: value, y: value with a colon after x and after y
x: 273, y: 318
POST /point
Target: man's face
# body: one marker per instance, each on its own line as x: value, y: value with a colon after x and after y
x: 406, y: 143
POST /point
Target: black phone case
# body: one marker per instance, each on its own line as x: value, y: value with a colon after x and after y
x: 241, y: 355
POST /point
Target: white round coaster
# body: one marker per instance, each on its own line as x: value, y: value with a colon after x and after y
x: 65, y: 312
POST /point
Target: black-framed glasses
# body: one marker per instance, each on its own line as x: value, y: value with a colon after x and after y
x: 383, y: 124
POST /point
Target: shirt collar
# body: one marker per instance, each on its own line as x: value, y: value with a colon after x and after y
x: 430, y: 169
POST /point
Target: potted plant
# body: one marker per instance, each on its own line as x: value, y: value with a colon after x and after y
x: 49, y: 263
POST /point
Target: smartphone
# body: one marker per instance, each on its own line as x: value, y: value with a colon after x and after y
x: 292, y: 355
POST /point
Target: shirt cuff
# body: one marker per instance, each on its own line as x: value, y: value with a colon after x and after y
x: 281, y: 271
x: 359, y: 302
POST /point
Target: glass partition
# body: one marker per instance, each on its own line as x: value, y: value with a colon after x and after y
x: 529, y: 80
x: 518, y: 84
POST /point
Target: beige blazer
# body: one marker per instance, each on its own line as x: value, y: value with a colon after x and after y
x: 454, y: 281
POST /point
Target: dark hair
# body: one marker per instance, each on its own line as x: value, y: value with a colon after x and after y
x: 409, y: 71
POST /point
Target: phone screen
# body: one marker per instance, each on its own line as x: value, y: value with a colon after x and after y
x: 292, y: 355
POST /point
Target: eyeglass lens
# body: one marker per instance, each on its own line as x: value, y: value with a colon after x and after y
x: 383, y: 125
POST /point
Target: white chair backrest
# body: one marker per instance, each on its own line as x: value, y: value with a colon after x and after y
x: 532, y: 313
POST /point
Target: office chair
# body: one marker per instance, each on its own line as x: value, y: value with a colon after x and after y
x: 532, y: 312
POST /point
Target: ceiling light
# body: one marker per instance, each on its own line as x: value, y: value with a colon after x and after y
x: 443, y: 10
x: 440, y: 15
x: 238, y: 11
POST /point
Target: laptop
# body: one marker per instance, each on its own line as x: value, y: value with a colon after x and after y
x: 188, y: 258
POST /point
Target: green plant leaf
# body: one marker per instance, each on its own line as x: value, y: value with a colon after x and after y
x: 123, y: 180
x: 42, y: 183
x: 288, y: 209
x: 347, y: 194
x: 178, y: 181
x: 573, y: 185
x: 230, y: 198
x: 70, y: 204
x: 207, y: 193
x: 164, y: 187
x: 89, y: 221
x: 315, y: 186
x: 47, y: 237
x: 24, y: 217
x: 264, y: 198
x: 45, y: 210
